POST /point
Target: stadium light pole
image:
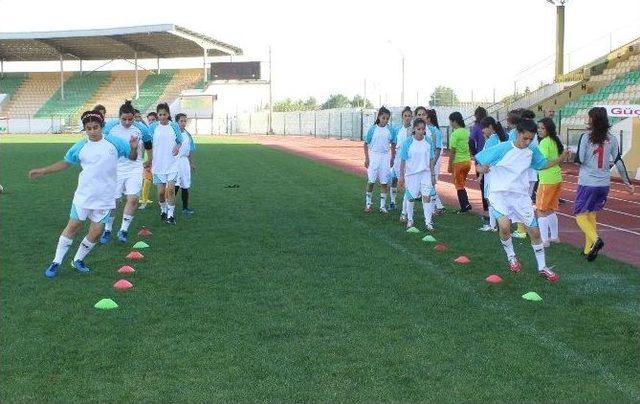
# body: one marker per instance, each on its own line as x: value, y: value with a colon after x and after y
x: 61, y: 77
x: 559, y: 36
x: 402, y: 56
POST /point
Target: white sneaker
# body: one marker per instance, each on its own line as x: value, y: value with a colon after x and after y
x: 383, y: 209
x: 546, y: 244
x: 554, y: 240
x: 486, y: 227
x: 429, y: 226
x: 403, y: 218
x: 409, y: 224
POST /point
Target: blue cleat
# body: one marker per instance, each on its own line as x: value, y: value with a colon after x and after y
x: 106, y: 237
x: 52, y: 271
x: 80, y: 266
x: 392, y: 206
x: 188, y: 211
x: 122, y: 236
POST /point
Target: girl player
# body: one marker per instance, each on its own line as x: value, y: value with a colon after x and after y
x: 460, y: 159
x: 129, y: 172
x: 597, y: 152
x: 416, y: 172
x: 509, y: 197
x: 550, y: 182
x: 436, y: 135
x: 164, y: 162
x: 379, y: 139
x: 98, y: 155
x: 494, y: 135
x: 403, y: 133
x: 185, y: 163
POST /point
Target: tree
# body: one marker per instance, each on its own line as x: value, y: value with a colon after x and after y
x: 359, y: 102
x: 443, y: 96
x: 288, y: 105
x: 336, y: 101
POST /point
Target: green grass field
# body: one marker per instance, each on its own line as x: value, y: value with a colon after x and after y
x: 283, y: 290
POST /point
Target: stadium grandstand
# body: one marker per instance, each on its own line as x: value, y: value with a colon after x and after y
x: 52, y: 101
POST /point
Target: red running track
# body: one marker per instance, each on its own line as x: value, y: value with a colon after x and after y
x: 618, y: 224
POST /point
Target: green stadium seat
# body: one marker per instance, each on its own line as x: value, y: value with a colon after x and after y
x: 78, y: 89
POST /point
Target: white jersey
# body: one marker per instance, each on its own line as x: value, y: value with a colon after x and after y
x: 416, y: 155
x: 403, y: 133
x: 187, y: 145
x: 379, y: 139
x: 97, y: 180
x: 165, y: 138
x: 510, y: 165
x: 127, y: 167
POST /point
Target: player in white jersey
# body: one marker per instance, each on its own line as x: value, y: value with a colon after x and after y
x: 167, y: 138
x: 436, y: 136
x: 508, y: 195
x: 129, y: 172
x: 93, y: 199
x: 416, y: 173
x: 404, y: 132
x: 380, y: 138
x: 185, y: 163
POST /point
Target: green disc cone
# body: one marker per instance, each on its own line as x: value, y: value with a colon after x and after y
x: 141, y: 244
x: 106, y: 304
x: 429, y: 238
x: 533, y: 296
x: 412, y: 230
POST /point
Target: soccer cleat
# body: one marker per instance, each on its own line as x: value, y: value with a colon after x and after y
x: 188, y: 211
x: 367, y: 209
x: 80, y: 266
x: 383, y: 209
x: 546, y: 244
x: 549, y: 275
x: 554, y: 240
x: 403, y: 218
x: 441, y: 211
x: 106, y: 237
x: 429, y: 226
x: 409, y: 224
x: 163, y: 217
x: 142, y: 206
x: 517, y: 234
x: 122, y: 236
x: 486, y: 227
x: 514, y: 265
x: 170, y: 220
x: 52, y: 270
x: 595, y: 248
x: 392, y: 206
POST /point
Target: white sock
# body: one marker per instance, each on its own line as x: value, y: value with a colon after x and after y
x: 409, y: 211
x: 508, y: 248
x: 492, y: 221
x: 538, y: 250
x: 170, y: 209
x: 405, y: 201
x: 163, y: 207
x: 553, y: 225
x: 383, y: 200
x: 427, y: 208
x: 109, y: 225
x: 543, y: 224
x: 368, y: 198
x: 63, y: 246
x: 83, y: 249
x: 126, y: 221
x: 392, y: 195
x: 439, y: 204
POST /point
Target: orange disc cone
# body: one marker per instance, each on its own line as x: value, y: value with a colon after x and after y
x: 134, y: 255
x: 126, y: 269
x: 122, y: 284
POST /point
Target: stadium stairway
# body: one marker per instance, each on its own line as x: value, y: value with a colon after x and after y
x: 78, y: 89
x: 182, y: 80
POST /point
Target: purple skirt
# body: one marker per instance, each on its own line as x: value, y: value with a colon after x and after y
x: 590, y: 199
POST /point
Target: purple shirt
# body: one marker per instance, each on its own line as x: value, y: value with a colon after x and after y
x: 476, y: 140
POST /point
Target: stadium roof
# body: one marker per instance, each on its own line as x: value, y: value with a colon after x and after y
x: 150, y: 41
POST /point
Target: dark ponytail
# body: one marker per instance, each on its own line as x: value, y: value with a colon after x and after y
x: 433, y: 117
x: 550, y: 127
x: 497, y: 128
x: 381, y: 112
x: 126, y: 108
x: 165, y: 106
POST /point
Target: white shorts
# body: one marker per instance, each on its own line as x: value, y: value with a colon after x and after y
x: 165, y: 178
x: 129, y: 185
x: 184, y: 173
x: 436, y: 168
x: 395, y: 170
x: 379, y: 168
x: 95, y: 215
x: 418, y: 184
x: 516, y: 206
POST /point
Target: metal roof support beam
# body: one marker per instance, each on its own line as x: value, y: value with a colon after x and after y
x: 58, y: 49
x: 135, y: 55
x: 204, y: 63
x: 135, y: 46
x: 61, y: 78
